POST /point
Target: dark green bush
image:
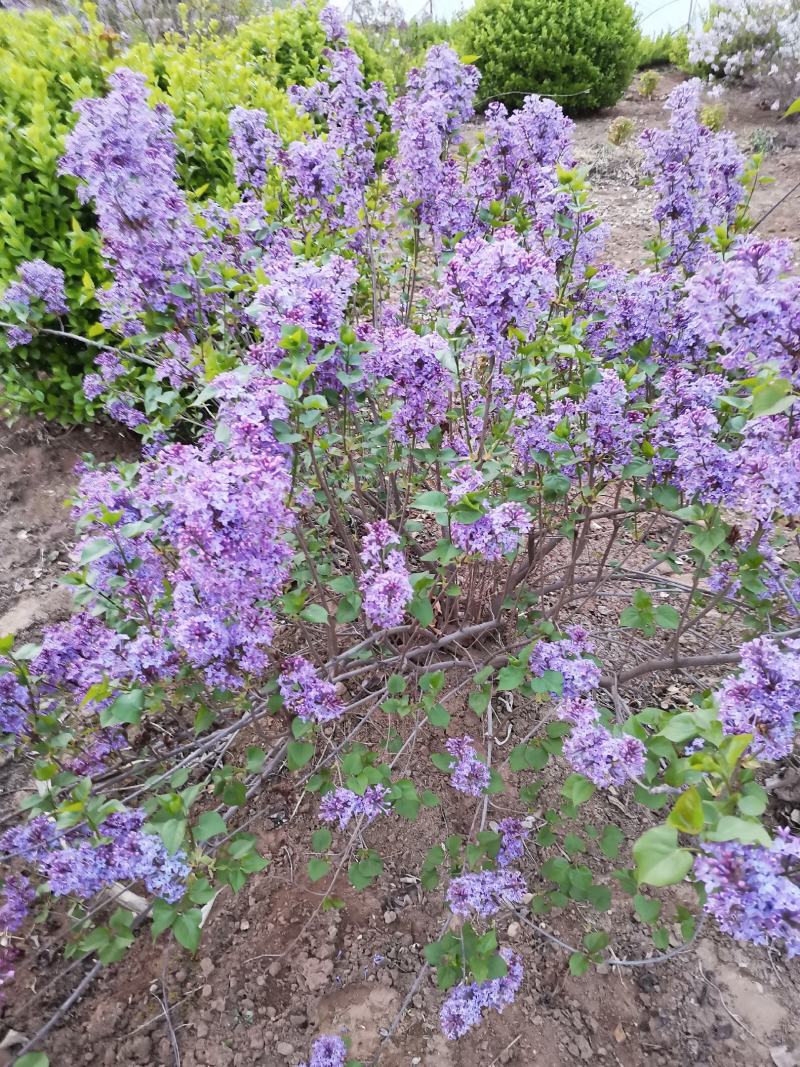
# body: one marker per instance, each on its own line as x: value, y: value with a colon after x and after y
x: 582, y: 52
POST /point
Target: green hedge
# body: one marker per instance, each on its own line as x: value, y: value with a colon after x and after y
x: 47, y: 63
x: 582, y: 52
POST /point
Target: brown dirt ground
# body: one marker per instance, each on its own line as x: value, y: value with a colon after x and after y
x: 271, y: 973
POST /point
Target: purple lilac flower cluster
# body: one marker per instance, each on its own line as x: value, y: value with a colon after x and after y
x: 123, y: 153
x: 419, y: 382
x: 302, y: 295
x: 385, y: 581
x: 254, y: 147
x: 15, y: 703
x: 469, y: 775
x: 342, y: 804
x: 466, y: 1003
x: 495, y: 534
x: 307, y: 695
x: 327, y: 1051
x: 752, y: 891
x: 82, y: 867
x: 17, y: 896
x: 696, y: 174
x: 764, y: 697
x: 495, y: 284
x: 37, y: 280
x: 594, y: 751
x: 570, y: 659
x: 484, y: 892
x: 464, y: 479
x: 513, y: 836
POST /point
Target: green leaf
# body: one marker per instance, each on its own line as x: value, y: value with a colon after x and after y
x: 187, y: 929
x: 667, y: 617
x: 430, y: 501
x: 422, y: 609
x: 577, y: 789
x: 321, y: 839
x: 792, y: 109
x: 510, y: 678
x: 443, y: 761
x: 317, y: 868
x: 348, y: 608
x: 732, y: 828
x: 437, y: 715
x: 127, y: 708
x: 610, y: 841
x: 314, y: 613
x: 687, y: 812
x: 32, y: 1059
x: 298, y: 753
x: 647, y: 909
x: 172, y: 832
x: 96, y: 549
x: 772, y: 397
x: 578, y: 964
x: 208, y: 825
x: 658, y: 859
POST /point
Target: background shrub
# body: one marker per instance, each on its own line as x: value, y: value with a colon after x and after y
x: 583, y: 52
x: 47, y: 62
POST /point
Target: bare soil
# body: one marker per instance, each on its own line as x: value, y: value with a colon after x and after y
x: 274, y: 968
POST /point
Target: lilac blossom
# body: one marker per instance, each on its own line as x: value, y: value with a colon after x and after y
x: 463, y: 1008
x: 312, y: 167
x: 752, y: 892
x: 341, y: 805
x: 483, y: 893
x: 385, y: 582
x: 494, y: 285
x: 419, y: 382
x: 31, y: 841
x: 15, y: 703
x: 307, y: 695
x: 38, y: 281
x: 464, y: 479
x: 594, y: 751
x: 696, y: 175
x: 328, y: 1050
x: 253, y: 146
x: 513, y: 837
x: 17, y: 895
x: 469, y: 775
x: 570, y: 659
x: 304, y: 295
x: 495, y: 534
x: 764, y: 697
x: 123, y: 153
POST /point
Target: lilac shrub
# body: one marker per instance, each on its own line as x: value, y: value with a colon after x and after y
x: 432, y: 503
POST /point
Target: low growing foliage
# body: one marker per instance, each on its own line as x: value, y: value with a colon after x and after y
x: 399, y: 430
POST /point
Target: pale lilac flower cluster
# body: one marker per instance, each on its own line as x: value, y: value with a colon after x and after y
x: 328, y: 1050
x: 483, y: 893
x: 15, y: 703
x: 445, y: 78
x: 495, y: 284
x: 495, y: 534
x: 594, y: 751
x: 254, y: 147
x: 123, y: 152
x: 341, y: 805
x: 418, y: 380
x: 17, y: 896
x: 307, y: 695
x: 513, y: 837
x: 764, y: 697
x: 469, y: 775
x: 332, y: 23
x: 37, y: 281
x: 302, y: 295
x: 570, y: 659
x: 385, y: 581
x: 124, y: 852
x: 463, y: 480
x: 312, y: 168
x: 466, y: 1003
x: 752, y: 891
x: 747, y: 305
x: 696, y: 174
x: 93, y: 758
